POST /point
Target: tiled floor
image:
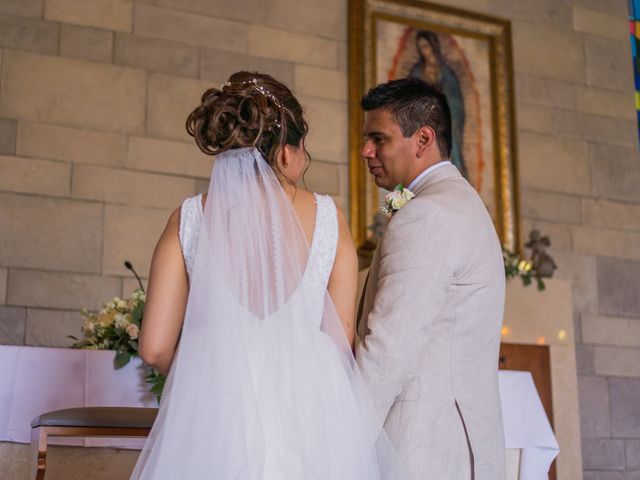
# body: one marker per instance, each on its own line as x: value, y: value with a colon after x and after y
x: 68, y: 463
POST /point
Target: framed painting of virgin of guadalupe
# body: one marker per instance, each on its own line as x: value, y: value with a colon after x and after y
x: 469, y: 56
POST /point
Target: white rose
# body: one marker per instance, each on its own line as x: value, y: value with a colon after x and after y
x: 122, y: 320
x: 408, y: 194
x: 397, y: 199
x: 398, y: 202
x: 133, y: 331
x: 391, y: 195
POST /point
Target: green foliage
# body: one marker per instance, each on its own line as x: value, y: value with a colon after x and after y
x: 156, y: 380
x: 121, y: 359
x: 515, y: 266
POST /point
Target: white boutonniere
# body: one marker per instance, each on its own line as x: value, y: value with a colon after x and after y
x: 397, y: 199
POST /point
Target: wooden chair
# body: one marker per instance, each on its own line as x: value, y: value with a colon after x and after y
x: 88, y: 422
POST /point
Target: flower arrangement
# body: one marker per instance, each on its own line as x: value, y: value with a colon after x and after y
x: 516, y: 266
x: 116, y: 327
x: 397, y: 199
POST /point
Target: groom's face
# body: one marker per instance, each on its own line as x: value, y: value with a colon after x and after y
x: 387, y: 151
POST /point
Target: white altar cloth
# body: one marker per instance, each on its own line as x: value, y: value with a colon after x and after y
x: 526, y: 426
x: 35, y: 380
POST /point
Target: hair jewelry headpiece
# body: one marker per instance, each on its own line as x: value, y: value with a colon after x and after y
x: 263, y: 91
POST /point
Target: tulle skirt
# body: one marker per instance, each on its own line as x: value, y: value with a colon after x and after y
x: 298, y: 415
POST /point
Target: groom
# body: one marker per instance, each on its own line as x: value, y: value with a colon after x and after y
x: 432, y: 307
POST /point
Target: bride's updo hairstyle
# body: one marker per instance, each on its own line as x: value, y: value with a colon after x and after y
x: 250, y: 110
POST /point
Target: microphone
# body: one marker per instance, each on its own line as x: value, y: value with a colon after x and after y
x: 129, y: 266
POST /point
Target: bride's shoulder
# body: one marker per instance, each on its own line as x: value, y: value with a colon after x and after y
x: 188, y: 207
x: 191, y: 206
x: 306, y: 195
x: 305, y: 201
x: 320, y: 198
x: 329, y: 203
x: 196, y: 202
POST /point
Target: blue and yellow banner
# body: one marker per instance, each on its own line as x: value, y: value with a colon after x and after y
x: 634, y: 35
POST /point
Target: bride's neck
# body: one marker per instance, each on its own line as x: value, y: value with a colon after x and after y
x: 290, y: 189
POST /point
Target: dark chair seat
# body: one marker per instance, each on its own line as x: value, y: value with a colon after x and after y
x: 112, y: 417
x: 87, y: 422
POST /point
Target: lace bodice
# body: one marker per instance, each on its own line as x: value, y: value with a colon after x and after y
x: 323, y: 244
x: 190, y: 220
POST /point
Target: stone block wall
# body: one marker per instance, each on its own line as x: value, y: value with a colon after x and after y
x: 94, y: 157
x: 580, y: 177
x: 93, y: 151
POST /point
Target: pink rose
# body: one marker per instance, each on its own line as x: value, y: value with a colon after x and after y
x: 133, y: 331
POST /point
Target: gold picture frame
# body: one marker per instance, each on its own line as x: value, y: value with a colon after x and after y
x: 395, y: 38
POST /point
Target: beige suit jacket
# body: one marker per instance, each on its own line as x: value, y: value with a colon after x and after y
x: 430, y: 322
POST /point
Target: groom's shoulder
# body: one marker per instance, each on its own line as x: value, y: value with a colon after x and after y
x: 424, y: 209
x: 440, y: 203
x: 450, y: 194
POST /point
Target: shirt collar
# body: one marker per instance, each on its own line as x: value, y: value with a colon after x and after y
x: 426, y: 172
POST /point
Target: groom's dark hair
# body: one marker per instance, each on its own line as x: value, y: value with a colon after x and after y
x: 414, y: 103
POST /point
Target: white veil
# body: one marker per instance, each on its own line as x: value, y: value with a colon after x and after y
x: 263, y: 385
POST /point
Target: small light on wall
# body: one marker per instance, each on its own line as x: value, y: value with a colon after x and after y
x: 541, y: 341
x: 562, y: 334
x: 505, y: 331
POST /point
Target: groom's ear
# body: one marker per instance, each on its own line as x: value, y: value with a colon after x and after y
x: 426, y: 140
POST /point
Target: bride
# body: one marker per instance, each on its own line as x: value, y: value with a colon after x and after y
x: 250, y: 312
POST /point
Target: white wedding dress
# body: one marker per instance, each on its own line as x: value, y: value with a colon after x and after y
x: 263, y: 385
